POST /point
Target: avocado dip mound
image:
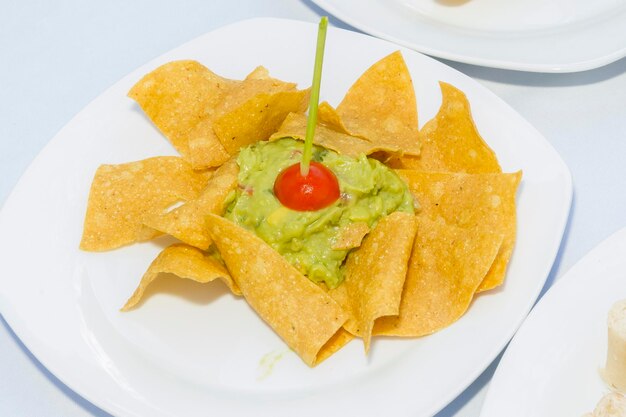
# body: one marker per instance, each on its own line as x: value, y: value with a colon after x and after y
x: 369, y: 191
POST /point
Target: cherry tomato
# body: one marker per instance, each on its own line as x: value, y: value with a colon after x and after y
x: 315, y: 191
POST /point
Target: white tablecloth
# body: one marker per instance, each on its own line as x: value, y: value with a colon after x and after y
x: 56, y: 56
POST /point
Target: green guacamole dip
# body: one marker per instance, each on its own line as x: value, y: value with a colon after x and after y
x: 369, y: 191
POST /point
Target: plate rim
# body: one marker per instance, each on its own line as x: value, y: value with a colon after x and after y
x: 571, y: 279
x: 592, y: 62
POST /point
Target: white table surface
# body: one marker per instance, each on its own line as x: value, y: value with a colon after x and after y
x: 56, y: 56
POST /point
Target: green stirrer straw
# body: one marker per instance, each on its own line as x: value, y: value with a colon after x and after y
x: 315, y: 97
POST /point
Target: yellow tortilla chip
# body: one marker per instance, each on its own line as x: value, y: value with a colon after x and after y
x: 185, y: 262
x: 294, y: 126
x: 259, y: 73
x: 350, y: 236
x: 446, y: 266
x: 262, y: 73
x: 258, y: 118
x: 300, y: 312
x: 257, y: 82
x: 123, y: 196
x: 339, y: 340
x: 186, y: 222
x: 255, y: 103
x: 465, y: 199
x: 471, y: 201
x: 451, y: 142
x: 205, y: 149
x: 381, y: 106
x: 375, y: 274
x: 177, y: 96
x: 200, y: 112
x: 497, y: 273
x: 328, y: 116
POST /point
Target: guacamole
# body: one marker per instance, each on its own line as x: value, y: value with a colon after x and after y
x: 369, y: 191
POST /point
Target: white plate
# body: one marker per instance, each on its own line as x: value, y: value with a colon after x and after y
x: 191, y: 349
x: 551, y: 367
x: 527, y: 35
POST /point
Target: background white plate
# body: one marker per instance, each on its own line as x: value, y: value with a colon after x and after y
x: 527, y: 35
x: 551, y: 367
x: 191, y: 349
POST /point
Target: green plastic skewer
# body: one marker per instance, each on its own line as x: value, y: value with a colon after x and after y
x: 315, y: 97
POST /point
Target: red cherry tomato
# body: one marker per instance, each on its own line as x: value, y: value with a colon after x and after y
x: 317, y: 190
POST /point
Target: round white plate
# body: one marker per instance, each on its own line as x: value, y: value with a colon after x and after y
x: 527, y: 35
x: 552, y: 365
x: 192, y: 349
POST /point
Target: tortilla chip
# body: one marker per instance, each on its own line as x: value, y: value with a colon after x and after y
x: 259, y: 73
x: 375, y: 274
x: 471, y: 201
x: 497, y: 273
x: 328, y: 116
x: 294, y: 126
x: 123, y: 196
x: 185, y: 262
x: 258, y: 118
x: 257, y: 82
x: 381, y: 106
x: 350, y: 236
x: 248, y: 113
x: 179, y: 95
x: 186, y: 222
x: 339, y: 340
x: 205, y: 149
x: 451, y: 142
x: 200, y: 112
x: 446, y: 266
x: 300, y: 312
